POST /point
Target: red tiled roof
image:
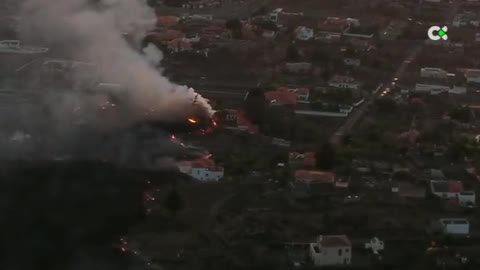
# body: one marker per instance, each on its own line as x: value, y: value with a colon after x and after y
x: 334, y: 241
x: 207, y: 164
x: 281, y: 96
x: 455, y: 186
x: 314, y: 177
x: 167, y: 20
x: 180, y: 43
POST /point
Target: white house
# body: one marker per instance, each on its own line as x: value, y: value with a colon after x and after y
x: 201, y: 169
x: 466, y: 198
x: 455, y: 226
x: 192, y: 38
x: 269, y: 34
x: 453, y: 190
x: 435, y: 81
x: 273, y: 16
x: 343, y: 82
x: 472, y: 75
x: 331, y: 250
x: 304, y: 33
x: 438, y: 88
x: 353, y: 22
x: 14, y: 47
x: 327, y: 36
x: 446, y: 189
x: 428, y: 72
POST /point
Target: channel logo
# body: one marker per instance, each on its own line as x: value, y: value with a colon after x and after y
x: 437, y: 33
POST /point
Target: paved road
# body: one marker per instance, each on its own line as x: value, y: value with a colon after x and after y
x: 357, y: 114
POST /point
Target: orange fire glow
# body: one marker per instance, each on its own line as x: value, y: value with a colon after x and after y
x: 191, y: 120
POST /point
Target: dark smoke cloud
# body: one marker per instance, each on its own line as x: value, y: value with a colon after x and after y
x: 92, y: 31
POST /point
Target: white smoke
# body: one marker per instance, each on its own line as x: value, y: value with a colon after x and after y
x: 153, y: 54
x: 95, y: 34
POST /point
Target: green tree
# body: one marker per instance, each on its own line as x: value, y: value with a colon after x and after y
x: 326, y: 74
x: 325, y: 156
x: 386, y: 105
x: 320, y: 56
x: 255, y: 105
x: 461, y: 113
x: 235, y: 25
x: 279, y: 122
x: 269, y: 25
x: 457, y: 150
x: 173, y: 202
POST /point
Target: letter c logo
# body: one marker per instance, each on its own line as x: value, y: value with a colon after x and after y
x: 431, y: 35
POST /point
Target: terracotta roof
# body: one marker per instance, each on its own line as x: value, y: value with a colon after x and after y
x: 314, y: 177
x: 447, y: 186
x: 180, y: 43
x: 167, y: 20
x: 307, y: 158
x: 300, y: 91
x: 455, y: 186
x: 207, y: 164
x: 281, y: 96
x: 334, y: 241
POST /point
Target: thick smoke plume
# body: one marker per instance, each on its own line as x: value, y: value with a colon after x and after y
x: 94, y: 33
x: 90, y: 31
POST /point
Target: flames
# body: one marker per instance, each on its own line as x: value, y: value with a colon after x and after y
x: 191, y: 120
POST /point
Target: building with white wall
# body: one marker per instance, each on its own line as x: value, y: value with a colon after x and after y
x: 436, y: 81
x: 343, y: 82
x: 201, y: 169
x: 455, y: 226
x: 453, y: 190
x: 472, y: 75
x: 304, y: 33
x: 429, y: 72
x: 466, y: 198
x: 331, y: 250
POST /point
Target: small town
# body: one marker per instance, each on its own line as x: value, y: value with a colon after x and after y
x: 339, y: 135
